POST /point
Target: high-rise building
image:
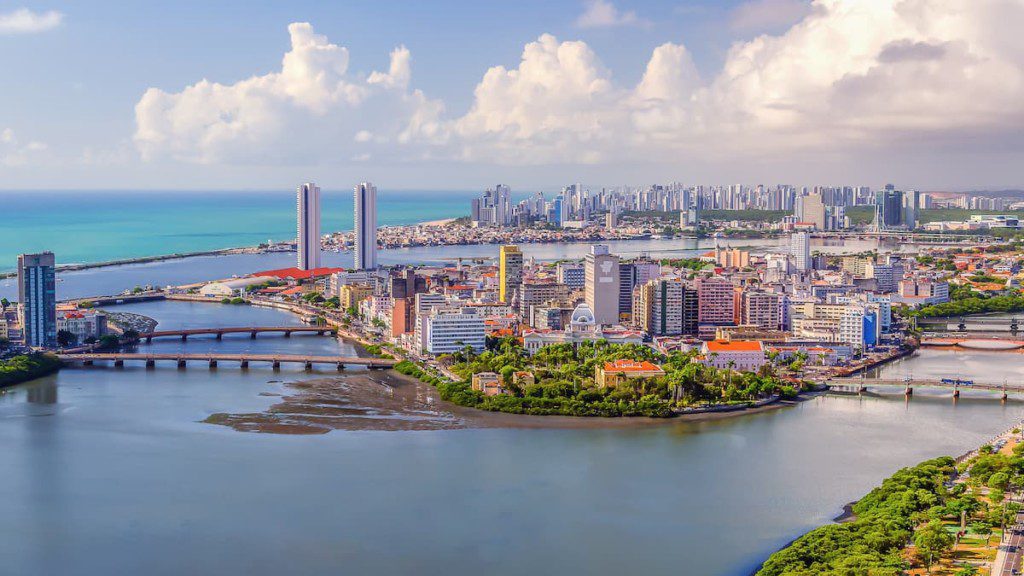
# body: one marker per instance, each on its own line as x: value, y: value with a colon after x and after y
x: 571, y: 274
x: 666, y: 307
x: 510, y: 272
x: 366, y: 227
x: 889, y: 207
x: 762, y: 309
x: 716, y: 301
x: 601, y: 284
x: 37, y: 299
x: 800, y: 247
x: 911, y: 208
x: 307, y: 207
x: 814, y: 211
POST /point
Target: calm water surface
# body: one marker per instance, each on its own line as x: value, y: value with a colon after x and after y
x: 114, y: 279
x: 112, y: 471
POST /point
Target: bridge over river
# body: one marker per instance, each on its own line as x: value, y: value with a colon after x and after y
x: 908, y: 385
x: 214, y: 358
x: 252, y: 331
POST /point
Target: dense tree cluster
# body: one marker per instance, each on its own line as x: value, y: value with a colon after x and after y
x: 27, y: 367
x: 564, y: 381
x: 918, y: 506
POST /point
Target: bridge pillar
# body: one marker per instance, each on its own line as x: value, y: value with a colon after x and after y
x: 150, y: 363
x: 956, y: 392
x: 181, y: 362
x: 319, y: 332
x: 252, y: 334
x: 909, y: 391
x: 276, y: 365
x: 149, y: 339
x: 287, y: 333
x: 341, y: 367
x: 213, y: 363
x: 87, y: 363
x: 309, y: 366
x: 862, y: 389
x: 220, y: 335
x: 1003, y: 398
x: 184, y: 337
x: 244, y: 363
x: 118, y: 362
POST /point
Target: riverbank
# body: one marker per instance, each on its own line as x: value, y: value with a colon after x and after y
x: 145, y: 260
x: 21, y: 369
x: 877, y: 527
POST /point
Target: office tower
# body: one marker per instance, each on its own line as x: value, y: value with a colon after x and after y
x: 308, y: 215
x: 601, y: 284
x: 888, y: 207
x: 800, y: 247
x: 37, y: 299
x: 911, y: 207
x: 814, y: 211
x: 510, y: 272
x: 366, y: 227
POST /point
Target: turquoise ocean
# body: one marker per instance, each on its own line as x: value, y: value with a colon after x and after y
x: 92, y: 226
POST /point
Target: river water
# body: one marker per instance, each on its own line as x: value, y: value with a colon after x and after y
x: 114, y: 279
x: 113, y: 471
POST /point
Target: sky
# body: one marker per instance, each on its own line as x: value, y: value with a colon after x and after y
x: 446, y: 94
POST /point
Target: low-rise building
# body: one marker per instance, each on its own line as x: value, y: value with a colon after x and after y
x: 611, y: 374
x: 447, y: 331
x: 233, y: 287
x: 582, y: 328
x: 489, y: 383
x: 82, y: 323
x: 742, y: 355
x: 350, y: 295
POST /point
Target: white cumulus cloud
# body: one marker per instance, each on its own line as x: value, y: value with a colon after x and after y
x: 25, y: 21
x: 888, y: 75
x: 311, y: 108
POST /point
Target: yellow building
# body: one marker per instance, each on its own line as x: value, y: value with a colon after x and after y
x: 351, y: 295
x: 510, y: 272
x: 489, y: 383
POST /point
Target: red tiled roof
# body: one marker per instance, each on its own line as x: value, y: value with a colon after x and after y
x: 631, y: 366
x: 734, y: 346
x: 297, y: 274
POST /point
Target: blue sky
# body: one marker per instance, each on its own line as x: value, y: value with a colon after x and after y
x: 69, y: 120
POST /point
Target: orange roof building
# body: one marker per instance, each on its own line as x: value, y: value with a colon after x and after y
x: 742, y: 355
x: 613, y: 373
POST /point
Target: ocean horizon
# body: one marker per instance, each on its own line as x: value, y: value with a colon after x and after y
x: 89, y: 226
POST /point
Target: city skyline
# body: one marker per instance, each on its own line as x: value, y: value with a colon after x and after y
x: 761, y: 90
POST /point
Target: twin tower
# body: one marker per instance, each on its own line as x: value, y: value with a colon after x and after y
x: 365, y: 219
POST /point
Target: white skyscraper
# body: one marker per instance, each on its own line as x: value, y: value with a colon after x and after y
x: 366, y: 226
x: 800, y: 247
x: 308, y: 215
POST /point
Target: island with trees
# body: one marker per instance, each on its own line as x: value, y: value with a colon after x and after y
x: 27, y: 367
x: 562, y: 380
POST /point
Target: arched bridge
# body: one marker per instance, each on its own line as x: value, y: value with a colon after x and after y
x: 243, y: 360
x: 252, y: 331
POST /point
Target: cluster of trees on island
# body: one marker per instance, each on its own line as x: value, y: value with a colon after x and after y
x: 27, y: 367
x: 564, y: 381
x: 919, y: 509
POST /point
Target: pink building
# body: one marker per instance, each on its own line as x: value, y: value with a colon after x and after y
x: 715, y: 301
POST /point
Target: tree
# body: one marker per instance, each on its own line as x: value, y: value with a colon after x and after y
x: 4, y: 303
x: 982, y: 528
x: 109, y: 342
x: 932, y: 541
x: 130, y: 335
x: 66, y: 338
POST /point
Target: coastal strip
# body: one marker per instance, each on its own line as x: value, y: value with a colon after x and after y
x: 144, y: 260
